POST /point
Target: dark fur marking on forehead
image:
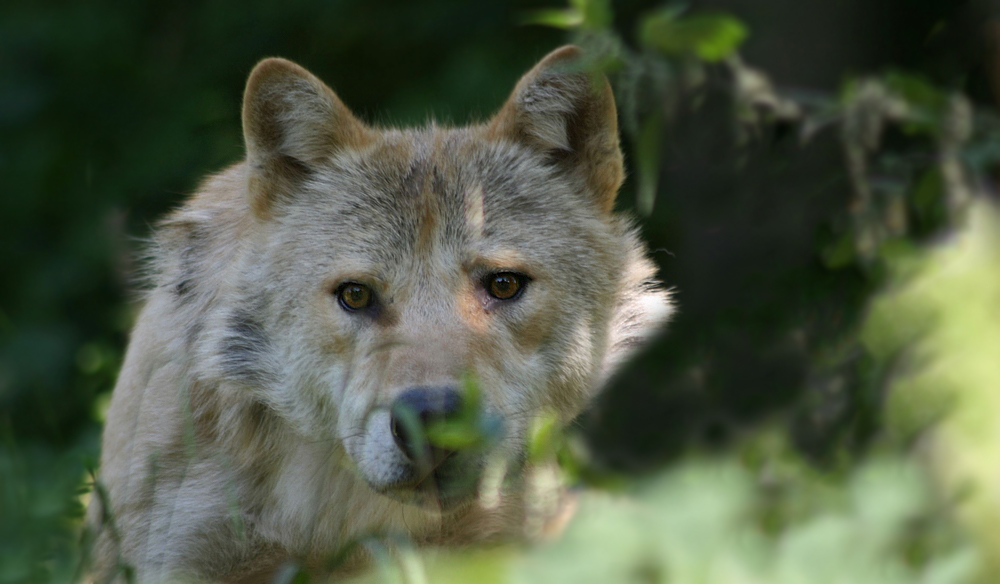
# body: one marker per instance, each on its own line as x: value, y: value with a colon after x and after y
x: 439, y: 183
x: 411, y: 185
x: 507, y: 177
x: 245, y: 349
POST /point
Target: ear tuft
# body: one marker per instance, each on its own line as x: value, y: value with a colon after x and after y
x: 560, y: 109
x: 291, y: 121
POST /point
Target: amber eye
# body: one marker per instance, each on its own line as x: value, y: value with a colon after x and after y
x: 505, y: 285
x: 354, y: 296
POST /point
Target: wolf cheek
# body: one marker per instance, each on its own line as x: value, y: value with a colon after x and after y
x: 317, y: 307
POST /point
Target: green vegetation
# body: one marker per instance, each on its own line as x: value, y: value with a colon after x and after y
x: 724, y: 520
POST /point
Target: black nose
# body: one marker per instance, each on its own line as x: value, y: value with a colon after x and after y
x: 413, y: 412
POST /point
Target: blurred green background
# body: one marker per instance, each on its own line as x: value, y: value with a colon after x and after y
x: 110, y: 113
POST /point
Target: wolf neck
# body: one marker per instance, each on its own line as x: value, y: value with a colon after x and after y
x: 320, y: 504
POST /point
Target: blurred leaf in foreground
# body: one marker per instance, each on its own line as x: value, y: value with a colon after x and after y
x: 941, y: 325
x: 710, y: 521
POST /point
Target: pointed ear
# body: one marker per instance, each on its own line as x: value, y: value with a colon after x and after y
x: 562, y: 111
x: 291, y: 121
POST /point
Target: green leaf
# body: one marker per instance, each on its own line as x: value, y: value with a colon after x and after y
x: 916, y: 90
x: 544, y: 438
x: 588, y: 14
x: 926, y: 103
x: 470, y: 395
x: 453, y: 435
x: 647, y: 162
x: 928, y: 197
x: 596, y: 13
x: 712, y: 36
x: 840, y: 253
x: 565, y: 19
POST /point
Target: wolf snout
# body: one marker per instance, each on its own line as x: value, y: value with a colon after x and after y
x: 414, y: 412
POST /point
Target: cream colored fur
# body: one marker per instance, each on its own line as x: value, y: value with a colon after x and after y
x: 249, y: 426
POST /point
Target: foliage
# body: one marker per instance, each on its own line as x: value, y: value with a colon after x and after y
x: 711, y: 37
x: 938, y: 327
x: 765, y: 517
x: 41, y: 509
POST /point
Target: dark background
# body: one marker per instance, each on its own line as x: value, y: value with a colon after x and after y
x: 111, y: 112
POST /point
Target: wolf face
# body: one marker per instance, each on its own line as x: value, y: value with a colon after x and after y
x: 318, y: 307
x: 385, y: 266
x: 425, y: 258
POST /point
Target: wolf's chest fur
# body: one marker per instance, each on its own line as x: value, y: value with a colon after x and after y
x: 319, y: 307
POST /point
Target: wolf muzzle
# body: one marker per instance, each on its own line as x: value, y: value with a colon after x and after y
x: 413, y: 412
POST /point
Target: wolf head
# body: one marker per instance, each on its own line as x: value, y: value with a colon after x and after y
x: 374, y: 270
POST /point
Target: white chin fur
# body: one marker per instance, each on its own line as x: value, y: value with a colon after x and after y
x: 379, y: 460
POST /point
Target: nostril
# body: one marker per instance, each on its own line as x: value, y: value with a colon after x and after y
x: 404, y: 439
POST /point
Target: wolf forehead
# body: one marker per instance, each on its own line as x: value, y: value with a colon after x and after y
x: 418, y: 192
x: 392, y: 209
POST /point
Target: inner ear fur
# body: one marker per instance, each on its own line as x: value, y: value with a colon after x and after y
x: 561, y: 110
x: 291, y: 121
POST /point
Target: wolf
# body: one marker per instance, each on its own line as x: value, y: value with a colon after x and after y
x: 315, y: 308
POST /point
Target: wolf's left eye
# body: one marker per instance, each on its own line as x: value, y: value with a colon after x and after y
x: 505, y: 285
x: 354, y: 296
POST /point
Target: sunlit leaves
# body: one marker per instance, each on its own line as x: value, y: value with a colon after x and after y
x: 774, y: 520
x: 471, y: 427
x: 939, y: 325
x: 712, y: 36
x: 926, y: 103
x: 586, y: 14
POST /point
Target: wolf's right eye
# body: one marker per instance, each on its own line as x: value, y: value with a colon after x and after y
x: 354, y: 296
x: 505, y: 285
